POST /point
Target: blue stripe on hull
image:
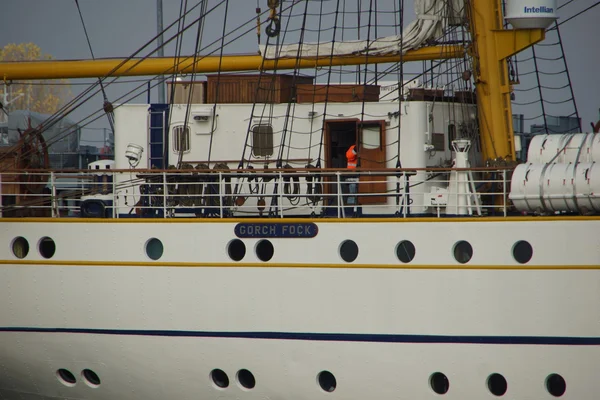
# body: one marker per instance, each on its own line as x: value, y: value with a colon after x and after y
x: 330, y: 337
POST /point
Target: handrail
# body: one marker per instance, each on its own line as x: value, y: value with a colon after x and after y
x: 283, y: 193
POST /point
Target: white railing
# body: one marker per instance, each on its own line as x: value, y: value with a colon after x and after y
x: 250, y: 193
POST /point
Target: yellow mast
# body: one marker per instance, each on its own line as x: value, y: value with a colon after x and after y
x: 492, y: 45
x: 12, y: 71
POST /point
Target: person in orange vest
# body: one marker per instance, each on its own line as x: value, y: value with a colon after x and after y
x: 352, y: 163
x: 352, y: 157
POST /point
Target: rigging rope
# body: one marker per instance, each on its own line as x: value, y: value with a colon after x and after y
x: 214, y: 114
x: 107, y: 106
x: 80, y: 99
x: 159, y: 78
x: 576, y: 15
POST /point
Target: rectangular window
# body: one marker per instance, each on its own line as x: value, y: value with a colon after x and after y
x: 437, y: 140
x: 181, y: 138
x: 262, y: 140
x: 371, y: 137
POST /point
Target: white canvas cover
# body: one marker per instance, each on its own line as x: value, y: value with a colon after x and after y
x: 432, y: 19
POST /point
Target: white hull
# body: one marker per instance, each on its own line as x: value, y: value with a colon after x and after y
x: 159, y: 368
x: 156, y: 329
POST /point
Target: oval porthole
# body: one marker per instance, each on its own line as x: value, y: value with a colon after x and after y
x: 20, y: 247
x: 348, y: 250
x: 264, y: 250
x: 439, y: 383
x: 91, y: 378
x: 497, y: 384
x: 556, y: 385
x: 522, y: 252
x: 327, y: 381
x: 463, y: 252
x: 66, y: 377
x: 154, y: 249
x: 246, y: 378
x: 47, y: 247
x: 236, y: 250
x: 219, y: 378
x: 405, y: 251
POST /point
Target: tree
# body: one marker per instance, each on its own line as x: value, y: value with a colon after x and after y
x: 46, y: 96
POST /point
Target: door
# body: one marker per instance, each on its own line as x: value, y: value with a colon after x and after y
x: 370, y: 138
x: 372, y: 156
x: 340, y: 134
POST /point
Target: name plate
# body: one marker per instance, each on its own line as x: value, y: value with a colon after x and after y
x: 276, y: 230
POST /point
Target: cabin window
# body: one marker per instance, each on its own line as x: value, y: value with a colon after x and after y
x: 327, y: 381
x: 439, y: 383
x: 556, y: 385
x: 371, y: 137
x: 20, y: 247
x: 262, y: 140
x: 181, y: 138
x: 497, y: 384
x: 219, y: 378
x: 437, y: 140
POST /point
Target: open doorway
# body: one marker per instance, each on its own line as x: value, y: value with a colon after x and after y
x: 340, y: 136
x: 369, y: 136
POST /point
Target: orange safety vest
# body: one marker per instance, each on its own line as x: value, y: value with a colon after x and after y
x: 351, y: 157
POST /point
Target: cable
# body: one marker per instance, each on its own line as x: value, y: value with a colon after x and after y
x: 107, y: 106
x: 576, y: 15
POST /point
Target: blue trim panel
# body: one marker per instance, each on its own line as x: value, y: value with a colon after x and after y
x: 331, y: 337
x: 159, y: 149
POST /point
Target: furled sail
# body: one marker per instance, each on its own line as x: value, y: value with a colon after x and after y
x: 433, y: 16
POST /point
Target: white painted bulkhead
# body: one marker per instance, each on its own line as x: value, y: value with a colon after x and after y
x: 155, y: 329
x: 420, y: 120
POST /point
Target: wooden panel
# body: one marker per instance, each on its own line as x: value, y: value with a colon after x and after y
x: 267, y: 88
x: 182, y: 91
x: 421, y: 94
x: 337, y: 93
x: 372, y: 156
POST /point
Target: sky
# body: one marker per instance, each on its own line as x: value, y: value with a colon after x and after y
x: 117, y: 28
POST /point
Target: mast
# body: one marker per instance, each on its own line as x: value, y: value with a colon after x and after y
x: 492, y: 45
x: 204, y: 64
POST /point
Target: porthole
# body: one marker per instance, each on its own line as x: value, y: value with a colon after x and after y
x: 327, y: 381
x: 522, y: 252
x: 20, y: 247
x: 264, y: 250
x: 405, y: 251
x: 66, y: 377
x: 497, y: 384
x: 236, y: 250
x: 154, y: 249
x: 348, y: 250
x: 47, y: 247
x: 246, y: 379
x: 91, y: 378
x: 463, y: 252
x: 220, y: 378
x: 556, y: 385
x: 439, y: 383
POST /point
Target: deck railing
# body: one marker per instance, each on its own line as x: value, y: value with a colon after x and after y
x: 250, y: 193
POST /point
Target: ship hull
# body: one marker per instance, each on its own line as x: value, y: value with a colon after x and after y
x: 155, y: 329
